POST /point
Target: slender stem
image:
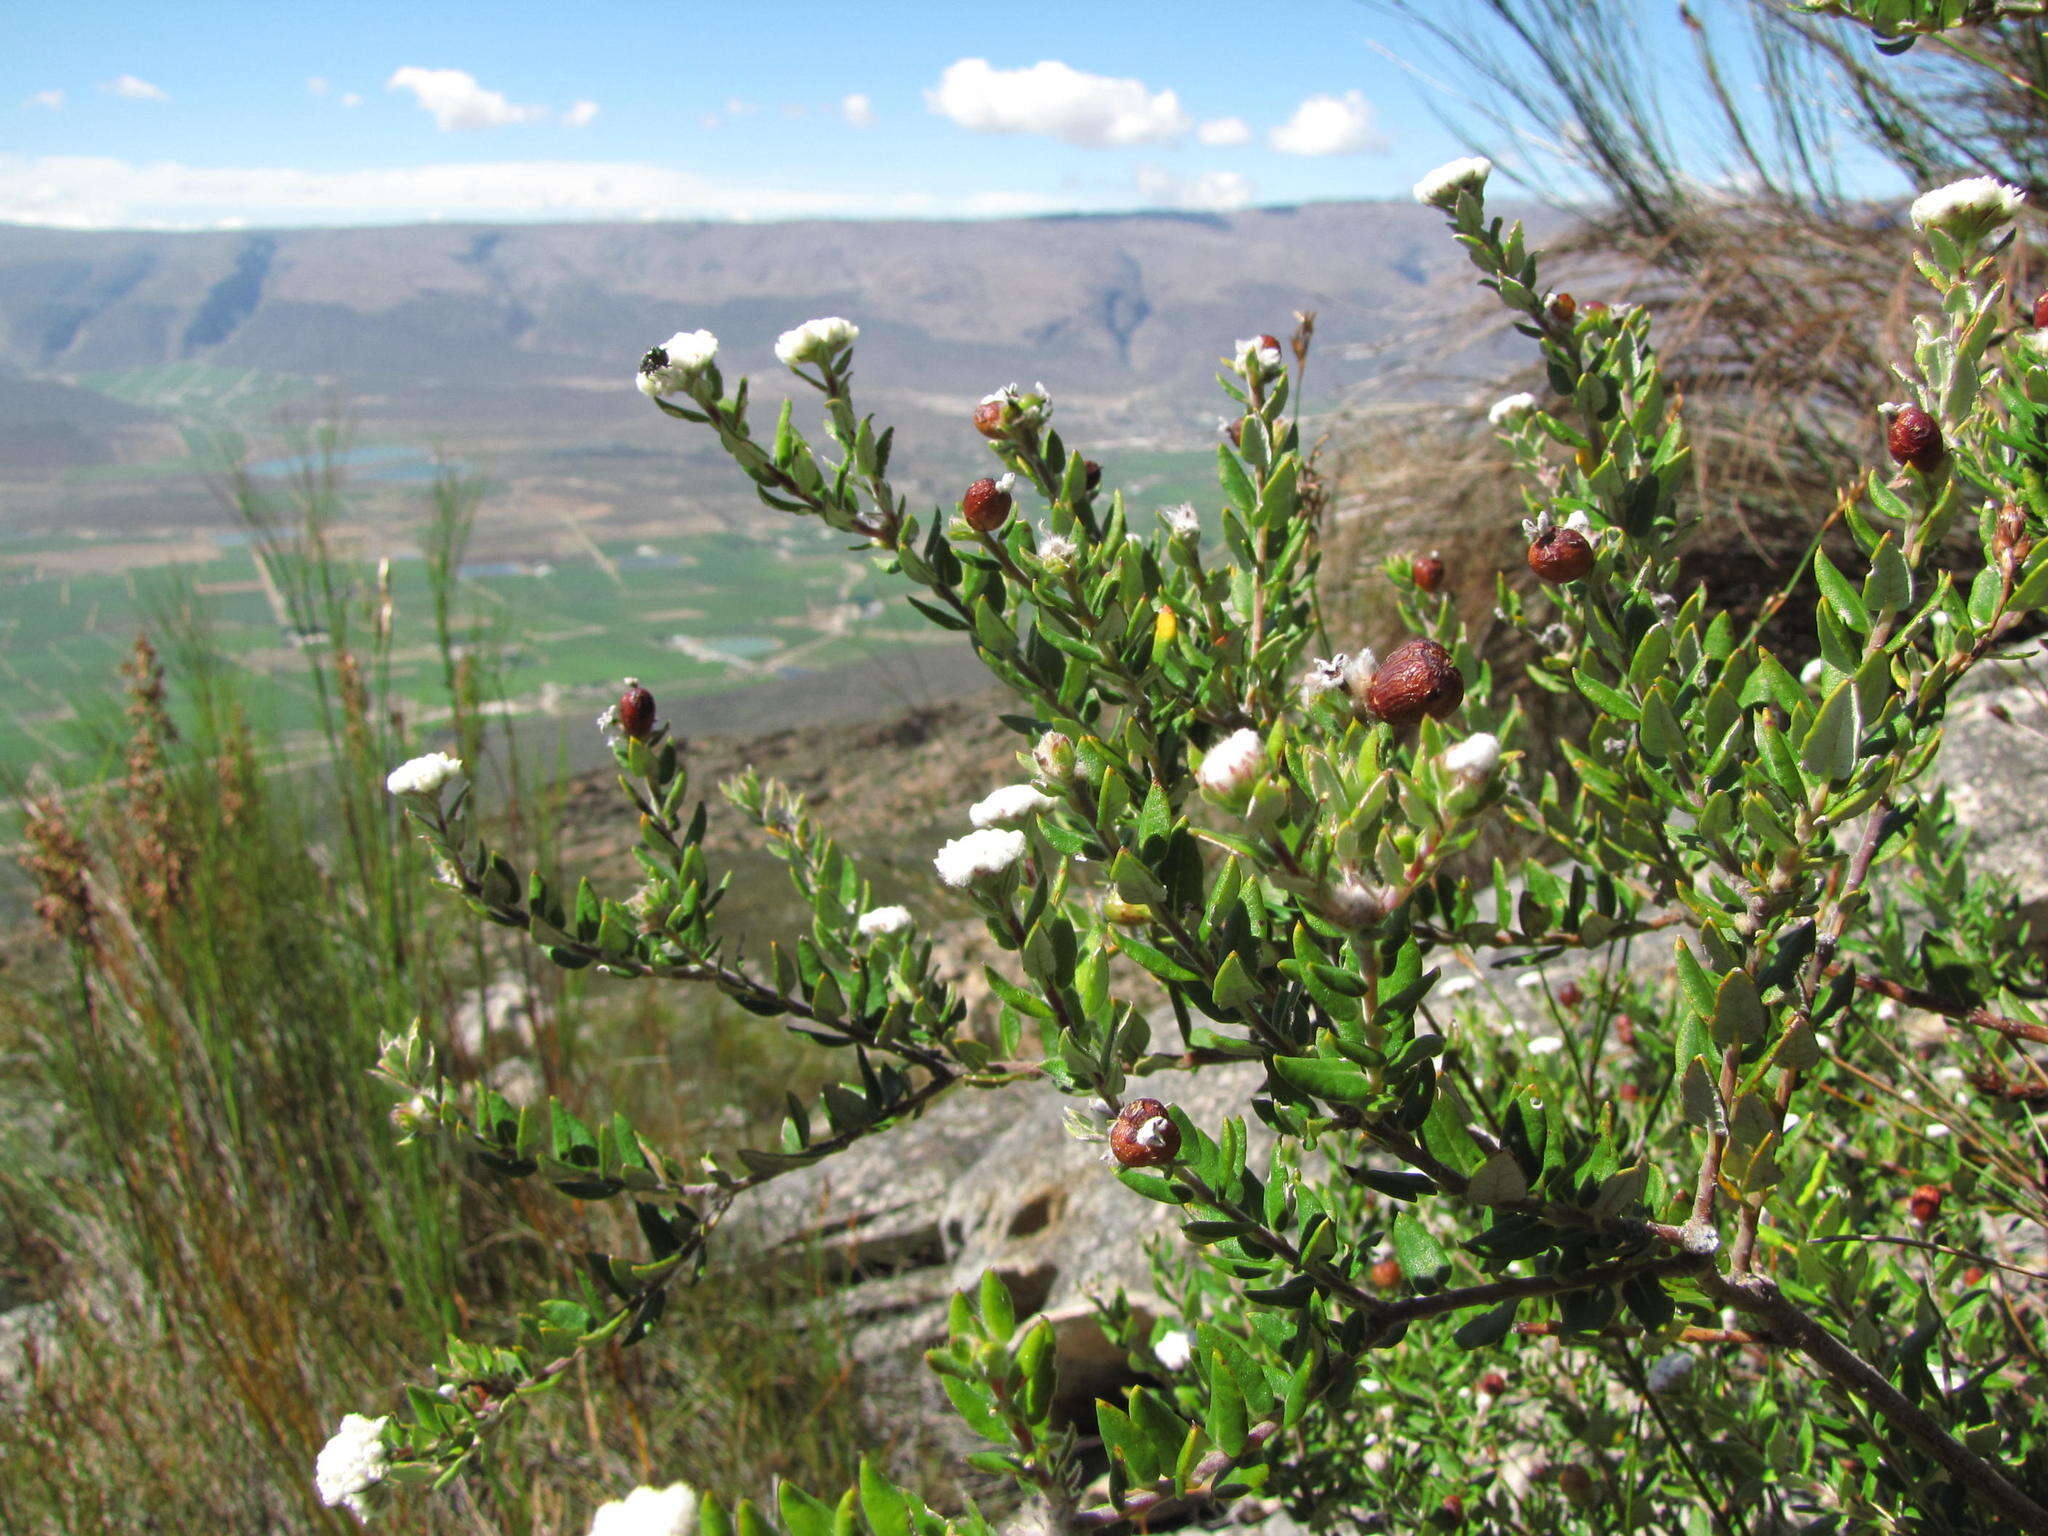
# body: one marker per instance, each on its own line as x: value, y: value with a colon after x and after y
x: 1760, y: 1297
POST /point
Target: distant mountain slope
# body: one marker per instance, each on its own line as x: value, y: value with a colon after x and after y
x: 541, y: 324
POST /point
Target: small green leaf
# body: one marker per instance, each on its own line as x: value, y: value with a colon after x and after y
x: 1422, y: 1257
x: 1739, y: 1016
x: 1829, y: 751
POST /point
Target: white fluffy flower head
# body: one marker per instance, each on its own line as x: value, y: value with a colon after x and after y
x: 675, y: 364
x: 979, y: 857
x: 882, y: 921
x: 1545, y: 1045
x: 1475, y: 757
x: 1056, y: 551
x: 1325, y: 675
x: 1440, y: 188
x: 1182, y: 521
x: 1232, y: 763
x: 1577, y: 522
x: 1509, y: 409
x: 1256, y: 355
x: 1175, y: 1350
x: 670, y: 1511
x: 1008, y: 806
x: 815, y: 341
x: 351, y: 1463
x: 1969, y: 208
x: 425, y: 776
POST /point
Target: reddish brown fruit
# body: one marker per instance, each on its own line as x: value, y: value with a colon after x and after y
x: 985, y: 506
x: 1924, y: 1204
x: 1492, y: 1384
x: 1452, y: 1510
x: 2041, y: 313
x: 1143, y: 1135
x: 1235, y: 432
x: 2009, y: 541
x: 1560, y: 555
x: 1418, y: 678
x: 1914, y: 438
x: 636, y: 711
x: 1569, y: 995
x: 1973, y: 1275
x: 1628, y: 1093
x: 1386, y: 1274
x: 1563, y: 308
x: 1625, y: 1030
x: 1428, y: 572
x: 988, y: 419
x: 1091, y: 473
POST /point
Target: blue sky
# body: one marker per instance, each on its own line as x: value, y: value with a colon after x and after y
x: 230, y: 113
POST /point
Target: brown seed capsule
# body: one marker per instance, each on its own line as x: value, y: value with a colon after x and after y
x: 1451, y: 1511
x: 1563, y: 308
x: 1569, y: 995
x: 1914, y: 438
x: 1386, y: 1274
x: 2009, y: 541
x: 1418, y: 678
x: 2041, y: 313
x: 1625, y: 1031
x: 1492, y: 1384
x: 988, y: 419
x: 636, y: 710
x: 1628, y: 1093
x: 1428, y: 572
x: 1560, y: 555
x: 1973, y: 1275
x: 985, y: 505
x: 1143, y: 1135
x: 1091, y: 473
x: 1924, y: 1204
x: 1235, y: 432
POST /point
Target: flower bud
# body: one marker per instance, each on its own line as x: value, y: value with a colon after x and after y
x: 1143, y: 1136
x: 2009, y: 541
x: 988, y: 418
x: 2041, y: 313
x: 1924, y: 1204
x: 1914, y: 438
x: 1091, y: 474
x: 1386, y: 1274
x: 636, y: 711
x: 1054, y: 756
x: 1475, y: 758
x: 1569, y: 995
x: 986, y: 503
x: 1232, y: 764
x: 1418, y: 678
x: 1563, y: 308
x: 1442, y: 187
x: 1428, y: 572
x: 1560, y: 555
x: 1350, y: 903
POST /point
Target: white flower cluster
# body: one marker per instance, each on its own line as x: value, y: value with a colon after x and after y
x: 1325, y: 674
x: 426, y: 776
x: 1175, y: 1350
x: 1009, y: 806
x: 1056, y: 552
x: 1024, y: 408
x: 670, y: 1511
x: 1257, y: 356
x: 1232, y: 764
x: 979, y: 857
x: 1182, y: 521
x: 882, y: 921
x: 815, y: 341
x: 1510, y: 409
x: 674, y: 365
x: 1440, y: 188
x: 351, y: 1463
x: 1475, y: 757
x: 1578, y: 523
x: 1975, y: 206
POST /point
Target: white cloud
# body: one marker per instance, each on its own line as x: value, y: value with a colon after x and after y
x: 1212, y: 191
x: 1058, y: 101
x: 455, y: 100
x: 134, y: 89
x: 580, y: 114
x: 49, y: 101
x: 82, y: 192
x: 316, y: 85
x: 351, y: 99
x: 1330, y: 125
x: 1224, y: 131
x: 857, y: 110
